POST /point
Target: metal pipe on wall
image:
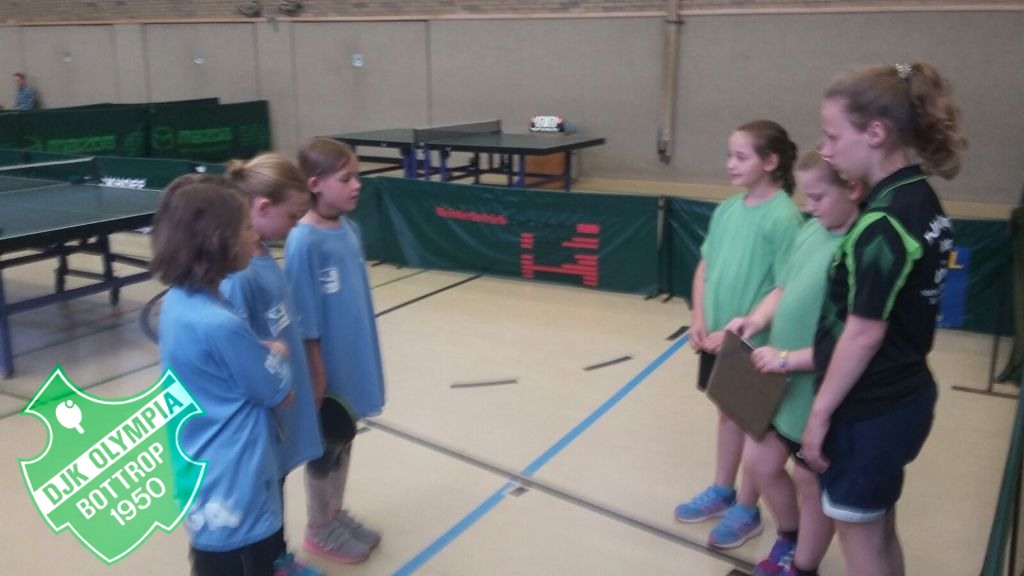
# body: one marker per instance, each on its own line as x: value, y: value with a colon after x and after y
x: 670, y: 65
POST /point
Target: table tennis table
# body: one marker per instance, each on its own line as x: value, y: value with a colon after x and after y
x: 42, y: 219
x: 505, y: 153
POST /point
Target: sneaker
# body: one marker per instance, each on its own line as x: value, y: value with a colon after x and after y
x: 712, y: 502
x: 361, y: 533
x: 287, y: 565
x: 778, y: 559
x: 741, y: 523
x: 336, y: 542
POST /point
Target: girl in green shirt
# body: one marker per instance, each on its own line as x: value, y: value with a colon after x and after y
x: 748, y: 239
x: 792, y: 311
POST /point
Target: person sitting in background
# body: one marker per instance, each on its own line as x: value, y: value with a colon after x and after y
x: 24, y: 95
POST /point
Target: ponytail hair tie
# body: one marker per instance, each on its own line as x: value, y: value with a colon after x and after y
x: 905, y: 71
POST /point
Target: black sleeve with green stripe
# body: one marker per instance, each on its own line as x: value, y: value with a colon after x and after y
x: 880, y: 255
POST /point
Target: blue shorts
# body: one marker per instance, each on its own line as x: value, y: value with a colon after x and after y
x: 865, y: 477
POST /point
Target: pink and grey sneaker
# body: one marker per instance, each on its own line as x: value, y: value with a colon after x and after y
x: 361, y: 533
x: 335, y: 541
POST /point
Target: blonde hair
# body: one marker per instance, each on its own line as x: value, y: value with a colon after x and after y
x: 321, y: 156
x: 813, y: 162
x: 916, y: 102
x: 270, y: 176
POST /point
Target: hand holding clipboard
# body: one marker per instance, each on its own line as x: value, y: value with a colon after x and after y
x: 745, y: 394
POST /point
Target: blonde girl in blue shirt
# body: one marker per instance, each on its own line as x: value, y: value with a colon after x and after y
x: 278, y: 198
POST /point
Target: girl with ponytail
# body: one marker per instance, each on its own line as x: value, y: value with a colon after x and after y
x: 747, y: 245
x: 892, y: 127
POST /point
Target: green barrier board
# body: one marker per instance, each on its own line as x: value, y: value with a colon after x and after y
x: 977, y: 295
x: 1006, y: 521
x: 10, y: 130
x: 686, y: 225
x: 1014, y: 369
x: 210, y: 133
x: 109, y: 131
x: 375, y: 230
x: 592, y: 240
x: 10, y: 157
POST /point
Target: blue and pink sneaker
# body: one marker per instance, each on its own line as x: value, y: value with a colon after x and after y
x: 741, y: 523
x: 714, y: 501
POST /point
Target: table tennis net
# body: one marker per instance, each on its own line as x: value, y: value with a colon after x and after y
x: 39, y: 174
x: 424, y: 135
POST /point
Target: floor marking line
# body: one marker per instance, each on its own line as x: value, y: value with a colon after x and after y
x: 107, y: 380
x: 124, y: 314
x: 517, y: 483
x: 399, y: 279
x: 608, y: 363
x: 13, y: 395
x: 484, y: 384
x: 480, y: 511
x: 57, y: 343
x: 453, y: 532
x: 147, y: 311
x: 678, y: 333
x: 428, y: 295
x: 604, y: 408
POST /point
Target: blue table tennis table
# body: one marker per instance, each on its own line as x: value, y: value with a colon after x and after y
x: 504, y: 153
x: 42, y: 219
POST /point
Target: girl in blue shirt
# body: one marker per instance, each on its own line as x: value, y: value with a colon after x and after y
x: 278, y: 198
x: 325, y: 266
x: 201, y: 233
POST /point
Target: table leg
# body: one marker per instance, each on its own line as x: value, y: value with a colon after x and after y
x: 6, y: 356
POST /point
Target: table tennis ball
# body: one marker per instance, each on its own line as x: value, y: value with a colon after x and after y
x: 70, y: 416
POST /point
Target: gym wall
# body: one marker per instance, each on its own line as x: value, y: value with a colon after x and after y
x: 601, y: 71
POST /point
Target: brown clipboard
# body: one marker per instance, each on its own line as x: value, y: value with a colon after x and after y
x: 745, y: 394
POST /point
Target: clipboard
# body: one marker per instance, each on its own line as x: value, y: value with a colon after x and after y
x: 746, y: 395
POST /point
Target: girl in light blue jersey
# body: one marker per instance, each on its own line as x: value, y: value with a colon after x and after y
x: 325, y: 266
x: 201, y: 233
x: 278, y: 199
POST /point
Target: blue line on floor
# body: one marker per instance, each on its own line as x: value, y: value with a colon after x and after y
x: 480, y: 511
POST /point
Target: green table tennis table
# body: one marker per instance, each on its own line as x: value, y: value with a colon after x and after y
x: 42, y: 219
x: 491, y: 151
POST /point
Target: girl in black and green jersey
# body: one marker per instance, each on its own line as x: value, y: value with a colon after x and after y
x: 890, y: 126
